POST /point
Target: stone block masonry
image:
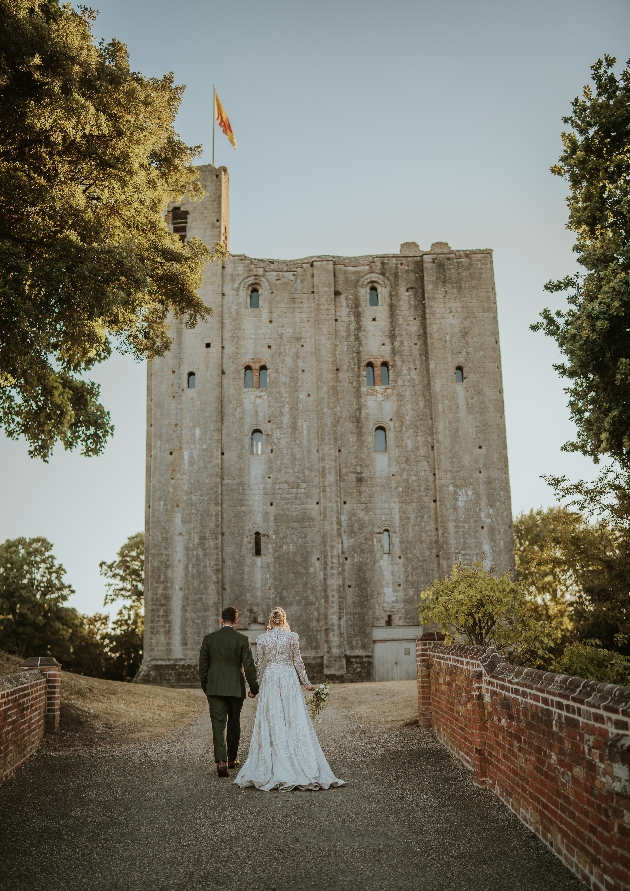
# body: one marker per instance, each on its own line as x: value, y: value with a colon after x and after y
x: 336, y: 492
x: 555, y: 749
x: 29, y: 707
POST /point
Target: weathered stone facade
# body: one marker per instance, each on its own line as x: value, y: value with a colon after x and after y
x: 318, y: 493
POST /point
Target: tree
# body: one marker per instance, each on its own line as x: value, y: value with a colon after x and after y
x: 33, y: 618
x: 590, y: 660
x: 33, y: 621
x: 126, y: 583
x: 89, y: 160
x: 543, y: 569
x: 483, y: 609
x: 594, y: 333
x: 86, y: 651
x: 126, y: 573
x: 598, y: 554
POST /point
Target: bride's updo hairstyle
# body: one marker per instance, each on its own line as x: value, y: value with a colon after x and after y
x: 278, y: 619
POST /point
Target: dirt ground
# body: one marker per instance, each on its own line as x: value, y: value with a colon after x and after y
x: 393, y: 702
x: 96, y: 713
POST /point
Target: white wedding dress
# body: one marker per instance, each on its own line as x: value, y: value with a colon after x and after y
x: 284, y: 753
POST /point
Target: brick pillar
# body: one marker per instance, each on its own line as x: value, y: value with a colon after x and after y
x: 423, y: 659
x: 52, y: 670
x: 477, y: 729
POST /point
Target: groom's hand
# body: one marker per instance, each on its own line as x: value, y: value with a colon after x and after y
x: 251, y: 695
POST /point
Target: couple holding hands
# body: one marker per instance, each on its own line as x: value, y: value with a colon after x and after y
x: 284, y: 752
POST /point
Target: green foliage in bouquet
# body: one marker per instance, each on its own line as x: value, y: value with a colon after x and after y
x: 318, y: 701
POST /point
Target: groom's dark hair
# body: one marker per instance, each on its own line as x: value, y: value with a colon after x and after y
x: 230, y: 614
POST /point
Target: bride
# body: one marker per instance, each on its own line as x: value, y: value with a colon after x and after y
x: 284, y: 753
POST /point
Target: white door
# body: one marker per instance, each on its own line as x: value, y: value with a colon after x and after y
x: 385, y: 660
x: 406, y: 660
x: 394, y: 660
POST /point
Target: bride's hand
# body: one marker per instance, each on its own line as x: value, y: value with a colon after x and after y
x: 311, y: 688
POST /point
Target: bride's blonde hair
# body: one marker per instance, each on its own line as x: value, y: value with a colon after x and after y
x: 278, y: 619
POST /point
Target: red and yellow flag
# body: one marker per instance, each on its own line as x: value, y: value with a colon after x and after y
x: 223, y: 120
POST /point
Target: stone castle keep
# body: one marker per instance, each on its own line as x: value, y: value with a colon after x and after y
x: 331, y: 439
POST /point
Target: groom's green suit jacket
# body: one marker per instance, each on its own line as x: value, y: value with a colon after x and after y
x: 225, y: 660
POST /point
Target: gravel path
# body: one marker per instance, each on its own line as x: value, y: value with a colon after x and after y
x: 155, y: 816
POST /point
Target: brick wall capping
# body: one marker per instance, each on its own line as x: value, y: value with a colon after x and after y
x: 611, y: 698
x: 20, y: 679
x: 431, y: 635
x: 36, y: 661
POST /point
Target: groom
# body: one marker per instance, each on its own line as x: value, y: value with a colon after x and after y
x: 224, y: 656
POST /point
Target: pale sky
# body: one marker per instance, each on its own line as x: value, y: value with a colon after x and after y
x: 360, y: 125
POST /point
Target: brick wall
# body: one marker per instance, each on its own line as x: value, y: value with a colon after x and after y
x: 29, y: 707
x: 555, y: 749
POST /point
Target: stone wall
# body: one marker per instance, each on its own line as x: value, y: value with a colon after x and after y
x: 555, y: 749
x: 29, y: 707
x: 318, y: 493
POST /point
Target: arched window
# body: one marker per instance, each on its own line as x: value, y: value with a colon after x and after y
x: 369, y: 375
x: 254, y: 299
x: 459, y: 374
x: 257, y: 545
x: 179, y: 221
x: 257, y: 440
x: 191, y: 380
x: 386, y: 541
x: 380, y: 439
x: 263, y: 378
x: 249, y: 379
x: 384, y: 375
x: 373, y: 295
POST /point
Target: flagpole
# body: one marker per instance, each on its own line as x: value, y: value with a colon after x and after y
x: 214, y: 108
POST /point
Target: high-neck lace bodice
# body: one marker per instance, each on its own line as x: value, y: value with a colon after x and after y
x: 284, y: 752
x: 279, y: 647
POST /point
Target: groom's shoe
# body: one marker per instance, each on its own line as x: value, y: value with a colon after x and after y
x: 234, y: 764
x: 222, y: 769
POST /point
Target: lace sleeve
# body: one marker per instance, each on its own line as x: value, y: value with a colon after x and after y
x: 298, y: 663
x: 260, y: 656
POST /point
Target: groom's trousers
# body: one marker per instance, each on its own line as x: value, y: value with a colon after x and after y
x: 225, y: 715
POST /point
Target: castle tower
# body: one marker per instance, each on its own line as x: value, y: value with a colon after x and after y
x: 330, y: 439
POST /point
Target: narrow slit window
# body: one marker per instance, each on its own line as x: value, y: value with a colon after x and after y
x: 384, y: 375
x: 386, y: 543
x: 373, y: 296
x: 459, y: 374
x: 191, y: 380
x: 369, y: 375
x: 257, y: 545
x: 263, y: 378
x: 249, y: 379
x: 254, y: 299
x: 380, y: 439
x: 257, y: 441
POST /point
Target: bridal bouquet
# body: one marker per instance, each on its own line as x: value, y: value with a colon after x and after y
x: 319, y: 700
